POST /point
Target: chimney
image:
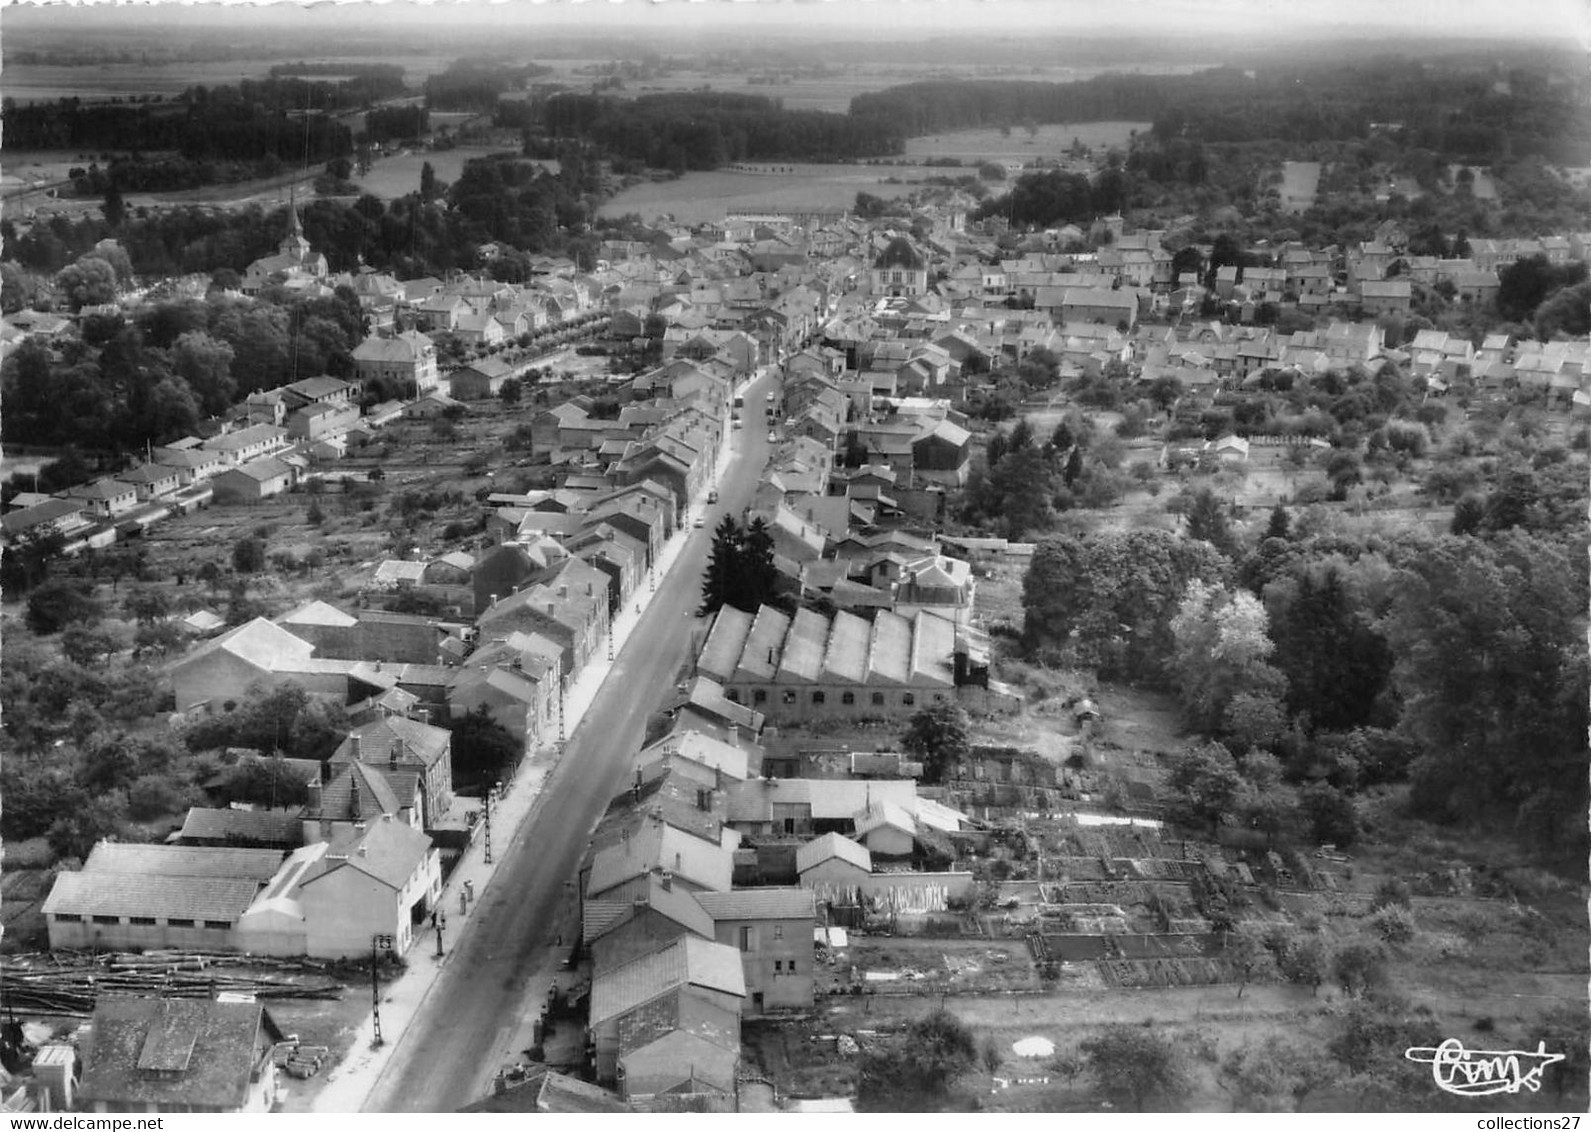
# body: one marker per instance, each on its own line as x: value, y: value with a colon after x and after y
x: 677, y: 863
x: 353, y: 796
x: 353, y: 746
x: 395, y: 754
x: 491, y: 599
x: 363, y: 852
x: 703, y: 799
x: 665, y: 880
x: 550, y: 608
x: 563, y: 591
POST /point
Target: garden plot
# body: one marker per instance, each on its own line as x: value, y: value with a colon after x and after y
x: 897, y: 966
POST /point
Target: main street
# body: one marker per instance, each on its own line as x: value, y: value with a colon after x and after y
x: 483, y: 994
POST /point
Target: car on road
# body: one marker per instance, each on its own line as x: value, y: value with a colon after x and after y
x: 712, y: 497
x: 770, y: 396
x: 772, y: 439
x: 699, y: 522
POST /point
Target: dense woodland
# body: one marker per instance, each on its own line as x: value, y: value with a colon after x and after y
x: 704, y: 130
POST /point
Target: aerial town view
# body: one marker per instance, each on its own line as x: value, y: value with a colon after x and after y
x: 946, y: 556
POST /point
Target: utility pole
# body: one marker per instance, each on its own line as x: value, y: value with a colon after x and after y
x: 377, y: 942
x: 489, y: 795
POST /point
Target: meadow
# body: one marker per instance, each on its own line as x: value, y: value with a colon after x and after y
x: 699, y: 197
x: 397, y: 176
x: 1299, y: 182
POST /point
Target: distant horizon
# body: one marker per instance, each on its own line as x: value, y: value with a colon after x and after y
x: 1565, y: 22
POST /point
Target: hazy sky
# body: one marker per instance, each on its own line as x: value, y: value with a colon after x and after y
x: 1568, y: 19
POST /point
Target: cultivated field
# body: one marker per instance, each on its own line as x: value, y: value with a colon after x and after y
x: 1018, y: 145
x: 700, y: 197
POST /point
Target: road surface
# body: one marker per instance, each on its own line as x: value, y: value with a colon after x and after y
x: 465, y: 1029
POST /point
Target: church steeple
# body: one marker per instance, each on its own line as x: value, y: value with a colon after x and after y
x: 294, y: 244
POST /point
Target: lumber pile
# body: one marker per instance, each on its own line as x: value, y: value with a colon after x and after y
x: 71, y: 982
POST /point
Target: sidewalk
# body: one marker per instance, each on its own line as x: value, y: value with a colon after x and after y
x: 348, y: 1084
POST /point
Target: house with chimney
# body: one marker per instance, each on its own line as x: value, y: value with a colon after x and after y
x: 394, y: 743
x: 330, y: 898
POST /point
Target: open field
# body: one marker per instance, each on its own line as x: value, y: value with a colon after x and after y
x: 40, y: 83
x: 1018, y: 145
x: 1300, y: 179
x: 699, y: 197
x: 393, y: 177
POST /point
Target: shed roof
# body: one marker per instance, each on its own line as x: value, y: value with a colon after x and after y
x: 830, y: 846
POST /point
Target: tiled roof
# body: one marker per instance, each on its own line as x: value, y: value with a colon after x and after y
x: 260, y: 642
x: 658, y: 845
x: 173, y: 1054
x: 183, y: 860
x: 219, y: 899
x: 359, y: 793
x: 829, y: 846
x: 830, y: 799
x: 699, y: 748
x: 879, y: 815
x: 420, y: 740
x: 758, y: 904
x: 392, y: 853
x: 282, y: 827
x: 320, y: 613
x: 689, y: 961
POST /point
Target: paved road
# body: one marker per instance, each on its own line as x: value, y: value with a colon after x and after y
x: 466, y: 1026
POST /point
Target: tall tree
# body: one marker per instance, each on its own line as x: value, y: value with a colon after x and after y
x: 1110, y: 597
x: 938, y: 735
x: 1222, y: 648
x: 1336, y: 662
x: 1492, y: 669
x: 915, y: 1073
x: 1132, y: 1064
x: 1207, y: 521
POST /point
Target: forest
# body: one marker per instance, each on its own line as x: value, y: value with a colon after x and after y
x: 1318, y: 664
x: 246, y: 123
x: 704, y: 130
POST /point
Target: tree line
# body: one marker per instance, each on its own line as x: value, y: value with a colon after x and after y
x: 705, y: 130
x: 222, y: 125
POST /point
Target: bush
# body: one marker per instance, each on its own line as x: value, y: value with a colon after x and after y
x: 1395, y: 924
x: 1392, y: 891
x: 154, y: 796
x: 55, y: 605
